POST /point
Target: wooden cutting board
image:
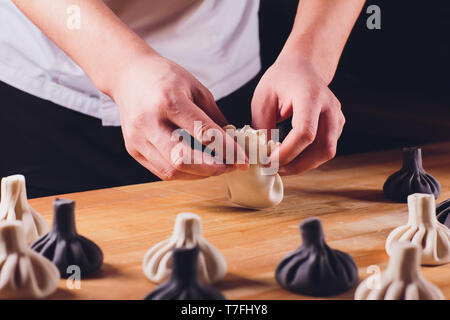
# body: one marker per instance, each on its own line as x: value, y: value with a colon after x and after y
x: 345, y: 193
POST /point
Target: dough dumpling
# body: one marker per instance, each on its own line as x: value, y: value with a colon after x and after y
x: 315, y: 269
x: 424, y: 230
x: 402, y: 280
x: 64, y: 246
x: 183, y: 283
x: 411, y: 178
x: 443, y: 212
x: 24, y: 274
x: 157, y: 262
x: 14, y: 206
x: 256, y: 187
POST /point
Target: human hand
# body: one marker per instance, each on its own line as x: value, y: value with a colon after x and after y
x: 292, y: 87
x: 155, y: 97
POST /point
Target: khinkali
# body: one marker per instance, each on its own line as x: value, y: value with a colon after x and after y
x: 315, y: 269
x: 157, y: 262
x: 259, y: 186
x: 411, y: 178
x: 442, y: 212
x: 14, y: 206
x: 183, y: 283
x: 24, y: 274
x: 402, y: 280
x: 424, y: 230
x: 64, y: 246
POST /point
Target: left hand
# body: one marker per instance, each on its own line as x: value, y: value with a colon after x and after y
x: 293, y: 87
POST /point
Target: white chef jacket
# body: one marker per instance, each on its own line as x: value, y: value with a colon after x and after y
x: 216, y: 40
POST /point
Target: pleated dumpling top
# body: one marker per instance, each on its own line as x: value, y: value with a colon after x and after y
x: 24, y: 274
x: 259, y: 186
x: 157, y: 262
x: 402, y: 280
x: 14, y: 206
x: 315, y: 269
x: 424, y: 230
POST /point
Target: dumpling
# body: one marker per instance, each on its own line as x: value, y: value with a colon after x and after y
x: 14, y: 206
x: 315, y: 269
x: 402, y: 280
x: 258, y: 187
x: 64, y: 246
x: 24, y: 274
x: 157, y: 262
x: 183, y: 283
x: 424, y: 230
x: 442, y: 212
x: 411, y: 178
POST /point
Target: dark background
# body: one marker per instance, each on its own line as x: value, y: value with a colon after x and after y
x: 393, y: 83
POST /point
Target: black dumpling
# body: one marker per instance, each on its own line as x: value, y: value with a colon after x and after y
x: 64, y: 246
x: 315, y: 269
x: 443, y: 212
x: 183, y: 283
x: 411, y: 178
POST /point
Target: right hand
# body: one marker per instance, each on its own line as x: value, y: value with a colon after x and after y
x: 155, y: 97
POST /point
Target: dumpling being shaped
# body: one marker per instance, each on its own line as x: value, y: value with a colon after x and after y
x: 64, y: 246
x: 443, y: 212
x: 315, y: 269
x: 24, y: 274
x: 424, y: 230
x: 411, y: 178
x: 402, y: 279
x: 14, y: 206
x: 258, y: 187
x: 157, y: 262
x: 183, y: 283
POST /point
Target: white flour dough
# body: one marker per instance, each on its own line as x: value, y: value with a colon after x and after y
x: 424, y: 230
x: 254, y: 188
x: 14, y: 206
x: 157, y: 262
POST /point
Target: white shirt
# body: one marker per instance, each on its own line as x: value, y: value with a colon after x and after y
x: 216, y: 40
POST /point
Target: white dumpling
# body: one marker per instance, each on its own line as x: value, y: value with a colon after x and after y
x: 402, y: 280
x: 24, y: 274
x: 157, y: 262
x: 256, y: 187
x: 424, y: 230
x: 14, y: 206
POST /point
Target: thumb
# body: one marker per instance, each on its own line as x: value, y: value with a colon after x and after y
x: 264, y: 109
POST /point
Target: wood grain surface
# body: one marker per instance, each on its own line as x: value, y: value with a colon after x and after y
x: 345, y: 193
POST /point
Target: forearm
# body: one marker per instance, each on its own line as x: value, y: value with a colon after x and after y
x: 321, y: 30
x: 103, y: 46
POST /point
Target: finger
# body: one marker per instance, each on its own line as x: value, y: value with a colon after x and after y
x: 176, y: 149
x: 264, y: 110
x: 304, y: 130
x: 323, y: 148
x: 195, y: 121
x: 205, y: 100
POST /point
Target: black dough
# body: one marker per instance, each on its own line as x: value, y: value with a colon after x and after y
x: 315, y: 269
x: 183, y: 283
x: 442, y: 212
x: 411, y: 178
x: 64, y: 246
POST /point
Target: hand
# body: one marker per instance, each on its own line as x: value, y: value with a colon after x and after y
x: 155, y: 97
x: 292, y: 87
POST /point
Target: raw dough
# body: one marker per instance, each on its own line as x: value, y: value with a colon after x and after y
x: 24, y: 274
x: 424, y: 230
x: 64, y: 246
x: 257, y: 187
x: 14, y: 206
x: 183, y: 283
x: 315, y: 269
x: 443, y: 212
x: 411, y: 178
x: 157, y: 262
x: 402, y: 280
